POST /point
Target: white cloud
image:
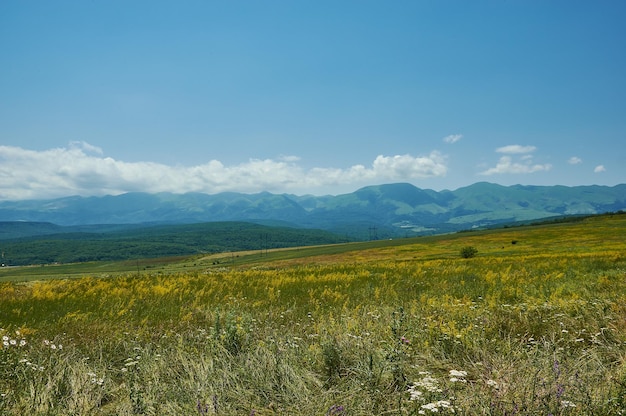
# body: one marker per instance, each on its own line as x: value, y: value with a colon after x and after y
x: 523, y: 165
x: 81, y: 145
x: 81, y: 169
x: 453, y: 138
x: 507, y: 165
x: 574, y: 160
x: 516, y: 149
x: 599, y: 168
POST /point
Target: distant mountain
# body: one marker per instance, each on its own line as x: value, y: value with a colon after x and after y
x: 381, y: 211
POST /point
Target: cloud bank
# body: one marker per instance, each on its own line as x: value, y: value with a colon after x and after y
x: 522, y: 165
x: 82, y: 169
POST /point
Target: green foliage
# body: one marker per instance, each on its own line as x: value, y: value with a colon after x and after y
x: 333, y: 360
x: 468, y: 252
x: 158, y: 241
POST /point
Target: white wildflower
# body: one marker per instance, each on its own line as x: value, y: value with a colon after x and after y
x: 415, y: 393
x: 429, y: 383
x: 458, y: 376
x: 567, y: 403
x: 492, y: 383
x: 435, y: 406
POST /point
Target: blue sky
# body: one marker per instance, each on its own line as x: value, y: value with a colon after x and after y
x: 308, y: 97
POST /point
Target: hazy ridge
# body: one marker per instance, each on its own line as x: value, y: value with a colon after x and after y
x: 398, y: 209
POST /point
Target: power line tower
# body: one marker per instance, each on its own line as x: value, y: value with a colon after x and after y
x: 264, y: 244
x: 373, y: 233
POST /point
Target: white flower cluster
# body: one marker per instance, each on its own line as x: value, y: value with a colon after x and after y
x: 435, y: 407
x: 95, y: 379
x: 429, y: 386
x: 131, y: 362
x: 52, y: 345
x: 493, y: 383
x: 427, y: 383
x: 458, y: 376
x: 8, y: 342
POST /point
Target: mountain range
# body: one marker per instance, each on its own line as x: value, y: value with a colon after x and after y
x: 381, y: 211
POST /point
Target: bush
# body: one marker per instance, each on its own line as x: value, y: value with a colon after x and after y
x: 468, y: 252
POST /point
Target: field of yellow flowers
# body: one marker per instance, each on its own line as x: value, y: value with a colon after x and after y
x: 535, y: 323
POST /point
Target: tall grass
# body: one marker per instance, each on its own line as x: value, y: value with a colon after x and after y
x: 535, y: 327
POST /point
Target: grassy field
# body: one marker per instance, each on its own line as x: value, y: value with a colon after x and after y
x: 534, y: 324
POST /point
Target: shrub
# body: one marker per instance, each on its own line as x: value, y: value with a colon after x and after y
x: 468, y: 252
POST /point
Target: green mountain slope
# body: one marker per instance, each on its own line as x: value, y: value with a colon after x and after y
x: 392, y: 209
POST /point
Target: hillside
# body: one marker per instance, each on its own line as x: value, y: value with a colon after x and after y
x: 58, y: 244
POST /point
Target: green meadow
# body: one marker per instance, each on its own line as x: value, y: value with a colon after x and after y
x: 533, y: 324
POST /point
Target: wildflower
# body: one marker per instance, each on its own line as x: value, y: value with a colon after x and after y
x: 405, y: 341
x: 435, y: 406
x: 457, y: 375
x: 13, y: 342
x: 567, y: 403
x: 492, y: 383
x: 335, y: 410
x: 5, y: 338
x: 22, y: 343
x: 556, y: 369
x: 203, y: 409
x: 429, y: 384
x: 415, y: 394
